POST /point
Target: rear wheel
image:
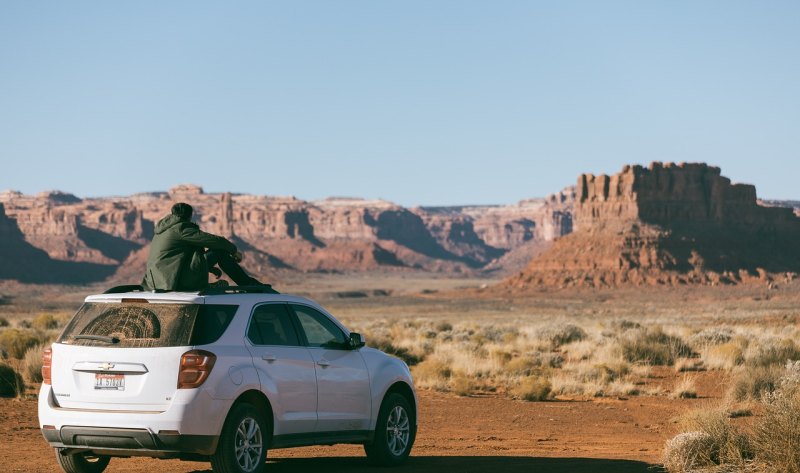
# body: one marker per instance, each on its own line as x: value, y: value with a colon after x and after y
x: 242, y: 446
x: 394, y: 432
x: 81, y: 462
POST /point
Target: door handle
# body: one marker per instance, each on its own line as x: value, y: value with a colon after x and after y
x: 269, y: 357
x: 324, y: 363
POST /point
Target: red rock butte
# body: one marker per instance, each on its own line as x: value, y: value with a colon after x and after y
x: 667, y: 224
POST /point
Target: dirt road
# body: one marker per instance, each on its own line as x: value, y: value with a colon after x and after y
x: 474, y: 434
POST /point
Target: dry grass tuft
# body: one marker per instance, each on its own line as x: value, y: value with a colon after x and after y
x: 532, y: 388
x: 685, y: 389
x: 32, y: 364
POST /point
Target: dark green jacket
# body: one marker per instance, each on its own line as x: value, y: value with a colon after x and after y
x: 176, y: 261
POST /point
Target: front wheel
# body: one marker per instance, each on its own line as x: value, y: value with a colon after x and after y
x: 81, y: 462
x: 242, y: 446
x: 394, y: 432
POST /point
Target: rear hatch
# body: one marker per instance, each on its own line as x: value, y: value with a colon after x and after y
x: 125, y: 355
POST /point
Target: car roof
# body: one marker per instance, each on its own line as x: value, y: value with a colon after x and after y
x: 196, y: 298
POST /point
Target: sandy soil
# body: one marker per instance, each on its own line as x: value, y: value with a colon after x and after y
x: 466, y: 434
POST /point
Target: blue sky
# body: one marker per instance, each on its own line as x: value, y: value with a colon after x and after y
x: 418, y: 102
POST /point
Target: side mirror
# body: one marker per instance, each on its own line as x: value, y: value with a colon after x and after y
x: 356, y: 341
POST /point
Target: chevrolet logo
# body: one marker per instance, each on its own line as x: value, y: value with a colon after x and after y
x: 107, y: 366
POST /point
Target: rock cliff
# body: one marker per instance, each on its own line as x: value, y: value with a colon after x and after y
x: 286, y: 233
x: 667, y: 224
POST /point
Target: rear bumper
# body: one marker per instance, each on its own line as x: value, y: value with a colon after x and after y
x: 129, y: 442
x: 189, y: 426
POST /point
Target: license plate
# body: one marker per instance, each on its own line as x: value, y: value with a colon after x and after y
x: 111, y: 382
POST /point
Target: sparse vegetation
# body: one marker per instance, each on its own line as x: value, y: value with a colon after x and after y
x: 11, y: 384
x: 532, y: 388
x: 32, y: 364
x: 711, y: 443
x: 653, y: 346
x: 45, y: 322
x: 15, y: 342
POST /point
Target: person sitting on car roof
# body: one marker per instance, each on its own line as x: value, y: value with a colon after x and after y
x: 178, y: 260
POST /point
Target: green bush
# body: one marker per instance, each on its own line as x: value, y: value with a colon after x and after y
x: 4, y: 322
x: 11, y: 384
x: 653, y: 346
x: 16, y: 342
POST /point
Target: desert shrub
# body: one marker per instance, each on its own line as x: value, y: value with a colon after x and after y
x: 4, y: 322
x: 653, y: 346
x: 45, y: 322
x: 777, y: 436
x: 432, y: 373
x: 444, y: 327
x: 495, y: 334
x: 16, y: 342
x: 32, y: 364
x: 526, y: 364
x: 462, y: 385
x: 622, y: 325
x: 712, y: 336
x: 558, y: 335
x: 752, y: 382
x: 11, y: 384
x: 532, y: 388
x: 710, y: 440
x: 724, y: 356
x: 688, y: 451
x: 772, y: 352
x: 404, y: 354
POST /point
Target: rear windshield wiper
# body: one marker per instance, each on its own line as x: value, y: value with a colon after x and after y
x: 99, y: 338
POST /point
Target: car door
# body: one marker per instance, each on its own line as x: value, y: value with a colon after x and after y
x: 285, y: 368
x: 343, y: 389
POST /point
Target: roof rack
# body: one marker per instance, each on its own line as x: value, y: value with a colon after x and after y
x: 215, y: 291
x: 126, y: 288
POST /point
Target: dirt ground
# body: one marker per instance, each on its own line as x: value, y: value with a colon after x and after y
x: 466, y: 434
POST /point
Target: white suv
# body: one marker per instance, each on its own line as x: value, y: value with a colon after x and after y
x: 219, y: 375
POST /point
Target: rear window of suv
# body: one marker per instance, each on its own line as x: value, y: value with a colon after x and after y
x: 144, y: 325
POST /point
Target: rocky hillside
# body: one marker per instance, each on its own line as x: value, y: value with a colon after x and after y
x: 668, y: 224
x: 110, y: 236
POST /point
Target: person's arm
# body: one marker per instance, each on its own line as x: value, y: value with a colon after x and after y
x: 194, y: 236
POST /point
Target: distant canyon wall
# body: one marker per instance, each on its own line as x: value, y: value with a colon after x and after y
x: 285, y: 233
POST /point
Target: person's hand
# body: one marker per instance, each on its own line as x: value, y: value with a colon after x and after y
x: 238, y: 256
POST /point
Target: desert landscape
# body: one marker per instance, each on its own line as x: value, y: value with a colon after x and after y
x: 640, y: 321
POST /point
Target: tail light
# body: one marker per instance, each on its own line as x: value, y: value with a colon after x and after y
x: 47, y: 365
x: 195, y: 367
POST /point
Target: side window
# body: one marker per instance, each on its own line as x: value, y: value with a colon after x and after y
x: 211, y: 322
x: 271, y: 325
x: 319, y: 329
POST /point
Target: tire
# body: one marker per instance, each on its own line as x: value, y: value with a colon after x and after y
x: 242, y: 445
x: 81, y: 462
x: 394, y: 432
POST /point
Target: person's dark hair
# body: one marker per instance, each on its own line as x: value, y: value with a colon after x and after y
x: 182, y: 210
